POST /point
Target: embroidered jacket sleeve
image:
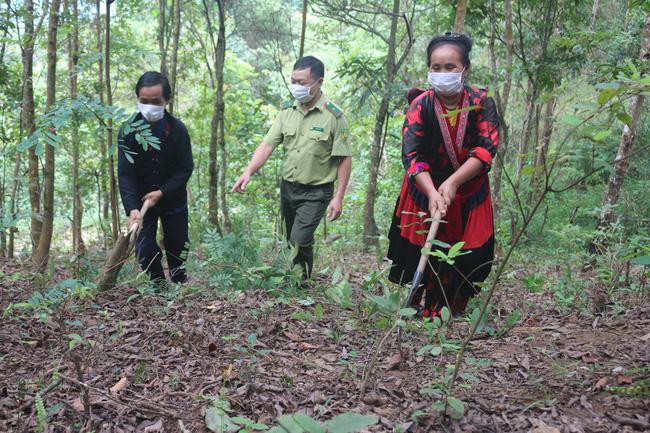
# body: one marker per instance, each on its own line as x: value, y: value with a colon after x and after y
x: 487, y: 124
x: 414, y: 143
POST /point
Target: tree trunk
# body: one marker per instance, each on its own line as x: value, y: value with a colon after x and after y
x: 370, y: 230
x: 595, y: 11
x: 103, y: 186
x: 504, y: 137
x: 547, y: 131
x: 461, y: 11
x: 213, y: 168
x: 42, y: 254
x: 28, y: 124
x: 174, y: 63
x: 162, y: 6
x: 12, y: 205
x: 115, y: 223
x: 220, y: 58
x: 626, y: 144
x: 77, y: 210
x: 303, y: 29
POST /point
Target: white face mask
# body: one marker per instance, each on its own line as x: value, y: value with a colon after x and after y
x: 302, y: 93
x: 446, y: 83
x: 151, y: 113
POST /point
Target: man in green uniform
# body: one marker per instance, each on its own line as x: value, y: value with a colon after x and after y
x: 314, y: 134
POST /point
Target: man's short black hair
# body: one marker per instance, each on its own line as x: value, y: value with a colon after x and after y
x: 315, y: 66
x: 459, y: 40
x: 153, y: 78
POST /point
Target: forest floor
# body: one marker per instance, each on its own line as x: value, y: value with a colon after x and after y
x: 148, y: 360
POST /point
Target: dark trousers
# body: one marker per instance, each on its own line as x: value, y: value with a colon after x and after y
x: 303, y: 206
x: 176, y: 243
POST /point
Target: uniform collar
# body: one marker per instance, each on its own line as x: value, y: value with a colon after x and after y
x: 320, y: 103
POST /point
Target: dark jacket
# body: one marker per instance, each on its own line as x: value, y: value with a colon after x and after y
x: 167, y: 169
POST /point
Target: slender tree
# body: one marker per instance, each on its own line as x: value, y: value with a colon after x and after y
x: 109, y: 124
x: 103, y: 149
x: 173, y: 67
x: 27, y: 122
x: 41, y: 256
x: 303, y: 29
x: 461, y: 11
x: 626, y: 144
x: 220, y: 60
x: 78, y: 247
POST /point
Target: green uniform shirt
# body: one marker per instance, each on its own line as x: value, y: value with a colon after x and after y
x: 314, y: 142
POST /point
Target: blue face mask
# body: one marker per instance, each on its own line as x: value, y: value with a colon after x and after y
x: 302, y: 93
x: 446, y: 83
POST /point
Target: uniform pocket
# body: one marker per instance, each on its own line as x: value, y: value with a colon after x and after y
x: 320, y: 143
x: 289, y: 133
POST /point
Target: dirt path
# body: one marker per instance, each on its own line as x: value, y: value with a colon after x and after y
x: 167, y: 357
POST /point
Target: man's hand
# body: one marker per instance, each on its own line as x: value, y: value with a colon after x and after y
x: 448, y: 190
x: 242, y: 181
x: 135, y: 217
x: 153, y: 197
x: 334, y: 209
x: 437, y: 204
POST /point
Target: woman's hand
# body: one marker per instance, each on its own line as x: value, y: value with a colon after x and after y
x: 437, y: 204
x: 448, y: 190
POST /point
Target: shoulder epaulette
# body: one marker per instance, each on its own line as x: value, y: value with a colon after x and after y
x: 286, y: 104
x: 336, y: 111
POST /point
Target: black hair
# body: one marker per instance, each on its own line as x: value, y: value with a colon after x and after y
x: 153, y: 78
x: 463, y: 42
x: 316, y: 67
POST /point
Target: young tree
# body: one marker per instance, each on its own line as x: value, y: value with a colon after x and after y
x: 622, y: 161
x: 27, y: 122
x: 41, y: 256
x: 217, y: 174
x: 174, y: 61
x: 78, y: 247
x: 358, y: 15
x: 109, y: 124
x: 461, y: 11
x: 303, y: 29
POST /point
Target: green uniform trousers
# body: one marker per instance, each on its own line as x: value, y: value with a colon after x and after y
x: 303, y: 206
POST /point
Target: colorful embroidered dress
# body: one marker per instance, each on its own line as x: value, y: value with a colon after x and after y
x: 440, y: 142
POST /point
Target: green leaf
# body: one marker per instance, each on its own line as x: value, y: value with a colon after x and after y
x: 318, y: 312
x: 350, y: 422
x: 218, y: 421
x: 457, y: 405
x: 424, y: 349
x: 308, y: 423
x: 440, y: 244
x: 436, y: 350
x: 641, y: 260
x: 572, y: 120
x: 624, y: 117
x: 408, y: 312
x: 445, y: 314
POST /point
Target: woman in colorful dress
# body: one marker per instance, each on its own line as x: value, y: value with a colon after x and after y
x: 449, y: 140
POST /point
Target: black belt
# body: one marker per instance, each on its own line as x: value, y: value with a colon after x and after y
x: 302, y: 185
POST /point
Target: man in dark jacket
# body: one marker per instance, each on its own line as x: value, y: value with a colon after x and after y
x: 158, y: 173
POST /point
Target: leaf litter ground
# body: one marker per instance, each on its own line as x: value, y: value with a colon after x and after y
x: 155, y: 362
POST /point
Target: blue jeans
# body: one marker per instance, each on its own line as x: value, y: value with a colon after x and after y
x: 175, y: 239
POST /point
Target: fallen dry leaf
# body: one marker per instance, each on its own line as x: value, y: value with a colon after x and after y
x: 623, y: 380
x: 590, y: 359
x: 308, y: 346
x: 120, y: 385
x: 394, y: 361
x: 601, y: 384
x: 155, y: 427
x: 544, y: 428
x: 291, y: 336
x: 77, y: 405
